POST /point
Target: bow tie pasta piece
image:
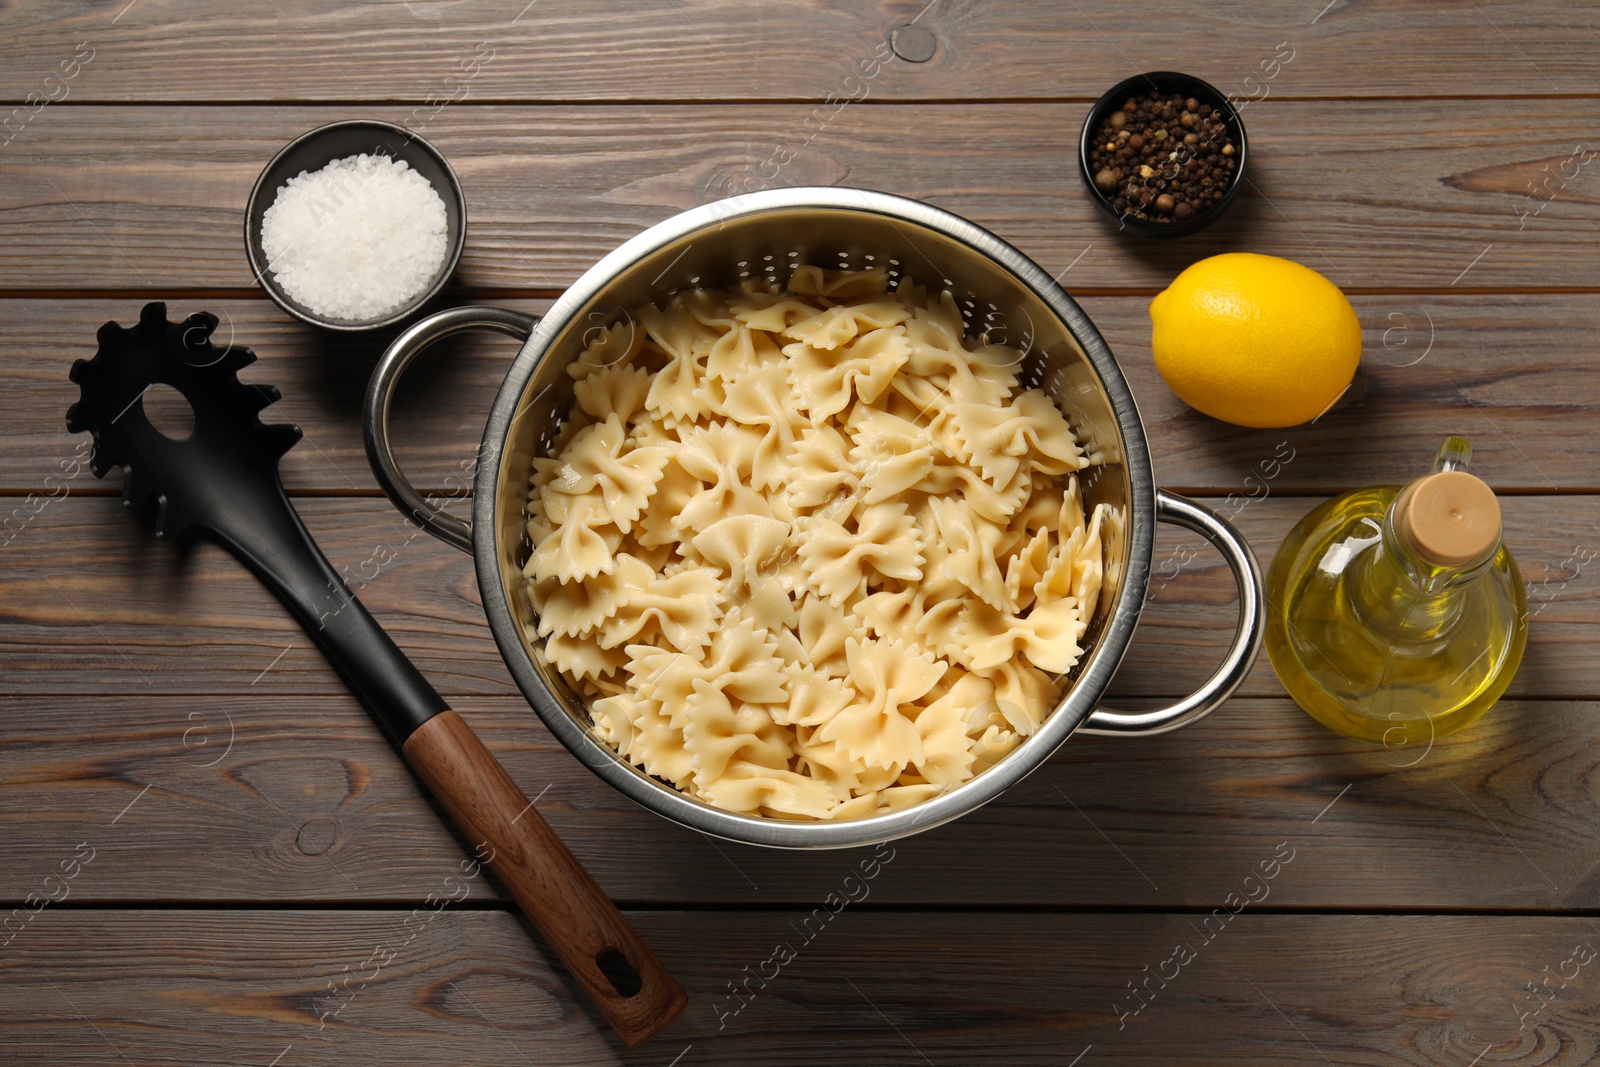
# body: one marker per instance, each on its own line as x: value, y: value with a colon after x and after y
x: 1047, y: 636
x: 709, y: 308
x: 763, y: 397
x: 823, y: 631
x: 743, y: 662
x: 939, y: 353
x: 581, y: 657
x: 828, y: 379
x: 971, y: 543
x: 741, y: 546
x: 657, y: 525
x: 665, y: 676
x: 887, y: 674
x: 595, y: 462
x: 725, y: 498
x: 750, y: 550
x: 808, y: 552
x: 616, y: 345
x: 837, y: 326
x: 891, y: 613
x: 998, y: 440
x: 891, y: 455
x: 839, y: 285
x: 991, y: 746
x: 636, y: 728
x: 740, y: 351
x: 573, y: 608
x: 618, y: 390
x: 838, y: 562
x: 677, y: 332
x: 915, y: 615
x: 1024, y: 570
x: 942, y: 725
x: 1023, y: 695
x: 845, y: 776
x: 718, y: 729
x: 679, y: 391
x: 1076, y: 567
x: 821, y: 470
x: 814, y: 697
x: 953, y: 477
x: 680, y: 609
x: 749, y: 787
x: 767, y: 312
x: 890, y: 798
x: 582, y: 546
x: 721, y: 452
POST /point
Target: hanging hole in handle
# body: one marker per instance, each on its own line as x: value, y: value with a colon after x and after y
x: 619, y: 972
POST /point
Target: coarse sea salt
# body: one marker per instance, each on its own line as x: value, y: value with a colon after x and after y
x: 357, y: 239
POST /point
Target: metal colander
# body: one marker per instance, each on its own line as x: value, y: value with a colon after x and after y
x: 1004, y: 297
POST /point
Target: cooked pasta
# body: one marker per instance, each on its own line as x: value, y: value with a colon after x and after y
x: 810, y: 552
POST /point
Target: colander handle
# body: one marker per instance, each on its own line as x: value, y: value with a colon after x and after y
x: 380, y: 392
x: 1246, y: 640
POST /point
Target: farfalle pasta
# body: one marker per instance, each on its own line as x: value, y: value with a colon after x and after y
x: 810, y: 552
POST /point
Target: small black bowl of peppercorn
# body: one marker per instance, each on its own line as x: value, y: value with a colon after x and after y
x: 1163, y: 153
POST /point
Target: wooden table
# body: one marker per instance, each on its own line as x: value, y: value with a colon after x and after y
x: 244, y: 850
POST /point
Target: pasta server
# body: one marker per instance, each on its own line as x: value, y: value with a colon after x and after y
x: 222, y: 482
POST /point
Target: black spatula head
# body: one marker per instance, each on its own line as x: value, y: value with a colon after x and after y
x: 226, y: 470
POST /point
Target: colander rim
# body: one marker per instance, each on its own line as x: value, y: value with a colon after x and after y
x: 664, y: 799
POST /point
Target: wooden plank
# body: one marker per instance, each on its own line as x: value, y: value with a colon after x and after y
x: 83, y: 580
x: 470, y: 988
x: 1347, y: 187
x: 705, y: 50
x: 264, y: 800
x: 1515, y: 372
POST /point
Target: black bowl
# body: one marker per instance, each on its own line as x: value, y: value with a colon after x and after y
x: 314, y: 150
x: 1164, y: 81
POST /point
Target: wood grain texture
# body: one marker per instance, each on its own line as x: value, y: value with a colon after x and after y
x: 250, y: 800
x: 1499, y: 368
x: 636, y: 994
x: 84, y: 583
x: 1348, y: 187
x: 208, y: 853
x: 865, y: 987
x: 711, y: 50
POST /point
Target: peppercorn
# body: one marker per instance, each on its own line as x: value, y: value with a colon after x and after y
x: 1163, y: 158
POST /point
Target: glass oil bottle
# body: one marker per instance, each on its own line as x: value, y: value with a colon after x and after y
x: 1395, y: 614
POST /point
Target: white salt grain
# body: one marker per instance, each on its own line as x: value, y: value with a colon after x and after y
x: 356, y: 240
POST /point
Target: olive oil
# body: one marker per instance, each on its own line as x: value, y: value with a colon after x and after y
x: 1395, y: 614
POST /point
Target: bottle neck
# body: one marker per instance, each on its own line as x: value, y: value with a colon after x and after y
x: 1397, y: 593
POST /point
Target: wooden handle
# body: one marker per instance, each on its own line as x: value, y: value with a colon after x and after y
x: 626, y: 981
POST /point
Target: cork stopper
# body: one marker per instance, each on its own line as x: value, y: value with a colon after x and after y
x: 1450, y: 519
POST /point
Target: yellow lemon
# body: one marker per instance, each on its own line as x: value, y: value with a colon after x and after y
x: 1255, y: 340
